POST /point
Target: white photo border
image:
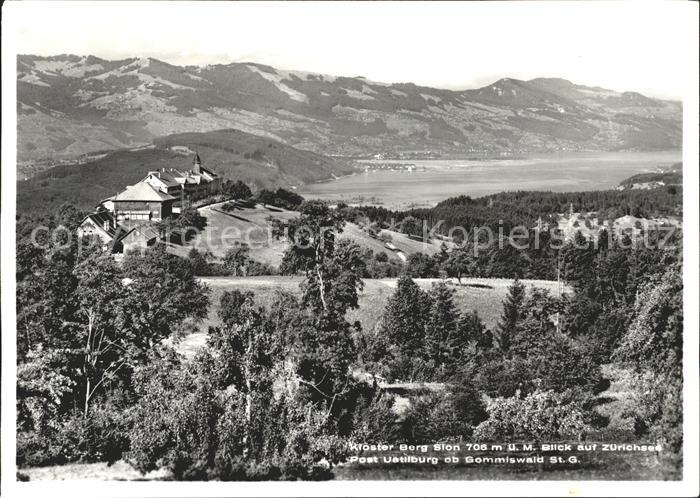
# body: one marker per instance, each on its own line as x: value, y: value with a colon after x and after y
x: 688, y: 486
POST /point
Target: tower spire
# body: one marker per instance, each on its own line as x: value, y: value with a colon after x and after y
x: 196, y: 163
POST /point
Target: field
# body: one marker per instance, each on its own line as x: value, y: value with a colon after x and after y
x: 251, y: 225
x: 485, y: 295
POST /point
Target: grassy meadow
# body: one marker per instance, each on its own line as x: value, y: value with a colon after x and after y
x: 251, y: 225
x: 485, y: 295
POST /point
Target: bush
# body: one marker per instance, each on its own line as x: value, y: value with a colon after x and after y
x: 538, y: 416
x: 174, y: 422
x: 197, y: 432
x: 34, y: 450
x: 443, y: 416
x: 281, y: 198
x: 101, y: 436
x: 430, y: 417
x: 283, y: 441
x: 376, y: 420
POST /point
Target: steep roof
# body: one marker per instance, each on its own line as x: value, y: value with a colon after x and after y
x: 114, y: 230
x: 144, y: 232
x: 209, y: 172
x: 166, y: 177
x: 142, y: 191
x: 181, y: 177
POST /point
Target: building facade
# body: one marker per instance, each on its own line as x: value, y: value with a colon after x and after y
x: 142, y: 203
x: 129, y: 219
x: 186, y: 186
x: 103, y: 226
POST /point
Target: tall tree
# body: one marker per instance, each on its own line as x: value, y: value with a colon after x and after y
x: 244, y: 350
x: 46, y: 303
x: 653, y: 347
x: 512, y: 305
x: 333, y: 270
x: 472, y: 329
x: 237, y: 189
x: 577, y: 259
x: 405, y: 318
x: 441, y: 341
x: 459, y: 263
x: 160, y: 291
x: 324, y: 340
x: 99, y: 295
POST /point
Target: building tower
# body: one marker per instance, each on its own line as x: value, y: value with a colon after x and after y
x: 197, y: 163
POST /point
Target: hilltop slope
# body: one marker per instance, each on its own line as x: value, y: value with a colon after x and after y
x: 258, y: 161
x: 70, y: 105
x: 251, y: 225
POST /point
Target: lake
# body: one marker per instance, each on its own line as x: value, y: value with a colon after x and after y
x: 437, y: 180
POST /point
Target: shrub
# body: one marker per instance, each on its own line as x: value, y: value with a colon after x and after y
x: 443, y: 416
x: 101, y: 436
x: 197, y: 432
x: 174, y: 422
x: 281, y: 198
x: 376, y: 420
x: 538, y: 416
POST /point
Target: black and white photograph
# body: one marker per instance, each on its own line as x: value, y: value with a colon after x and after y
x: 350, y: 248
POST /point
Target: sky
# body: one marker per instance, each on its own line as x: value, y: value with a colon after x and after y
x: 636, y: 46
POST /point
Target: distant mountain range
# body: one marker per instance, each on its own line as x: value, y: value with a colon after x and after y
x: 69, y: 106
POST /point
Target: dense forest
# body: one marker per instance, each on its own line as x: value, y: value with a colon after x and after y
x: 279, y: 392
x: 527, y: 207
x: 480, y: 233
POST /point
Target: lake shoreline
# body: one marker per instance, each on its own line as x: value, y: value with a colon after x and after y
x: 440, y: 179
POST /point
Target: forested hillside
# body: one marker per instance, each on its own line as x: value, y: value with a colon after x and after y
x: 527, y: 207
x: 235, y: 155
